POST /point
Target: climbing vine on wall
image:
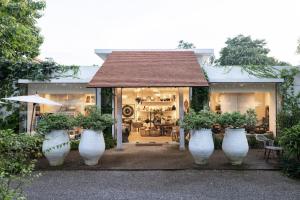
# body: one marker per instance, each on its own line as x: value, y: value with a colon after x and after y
x: 12, y: 71
x: 290, y: 111
x: 200, y: 97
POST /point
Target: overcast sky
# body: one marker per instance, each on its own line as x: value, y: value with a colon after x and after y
x: 72, y: 29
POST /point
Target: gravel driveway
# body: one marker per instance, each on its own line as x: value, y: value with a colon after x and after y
x: 184, y: 184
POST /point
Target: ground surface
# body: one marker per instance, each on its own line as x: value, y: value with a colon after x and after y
x: 182, y: 184
x: 159, y: 157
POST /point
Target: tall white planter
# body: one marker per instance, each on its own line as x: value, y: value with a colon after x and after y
x: 91, y: 146
x: 201, y: 145
x: 235, y: 145
x: 56, y: 147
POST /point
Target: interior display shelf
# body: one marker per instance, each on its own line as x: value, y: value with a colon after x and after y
x: 152, y: 111
x: 158, y: 102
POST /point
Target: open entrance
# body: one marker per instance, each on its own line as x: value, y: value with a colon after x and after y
x: 151, y: 115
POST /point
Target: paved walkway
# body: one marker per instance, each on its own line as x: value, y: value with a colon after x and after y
x: 175, y: 185
x: 165, y: 157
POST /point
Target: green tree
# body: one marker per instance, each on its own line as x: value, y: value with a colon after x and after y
x: 243, y: 51
x: 19, y: 36
x: 185, y: 45
x: 20, y: 40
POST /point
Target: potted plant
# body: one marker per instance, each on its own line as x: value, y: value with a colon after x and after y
x: 201, y: 144
x: 235, y: 144
x: 56, y: 144
x: 92, y: 145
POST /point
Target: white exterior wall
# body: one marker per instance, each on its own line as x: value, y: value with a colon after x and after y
x: 57, y: 88
x: 269, y: 88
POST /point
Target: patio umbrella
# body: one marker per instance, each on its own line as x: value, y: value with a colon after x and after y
x: 35, y: 99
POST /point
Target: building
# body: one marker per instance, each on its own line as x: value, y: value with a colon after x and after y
x: 152, y: 90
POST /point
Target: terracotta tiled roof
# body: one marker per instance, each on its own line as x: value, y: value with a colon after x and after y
x: 149, y: 69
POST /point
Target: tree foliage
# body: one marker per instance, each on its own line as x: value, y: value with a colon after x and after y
x: 20, y: 40
x: 185, y: 45
x: 243, y: 51
x: 19, y: 36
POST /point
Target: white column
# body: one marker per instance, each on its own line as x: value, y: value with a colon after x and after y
x: 113, y: 111
x: 272, y: 112
x: 181, y: 114
x: 190, y: 94
x: 98, y: 97
x: 119, y: 118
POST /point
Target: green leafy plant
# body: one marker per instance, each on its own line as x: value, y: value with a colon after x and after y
x: 18, y: 154
x: 290, y: 141
x: 94, y: 120
x: 289, y: 115
x: 232, y: 120
x: 197, y: 120
x: 74, y: 144
x: 110, y: 142
x: 251, y: 117
x: 217, y: 142
x: 51, y: 122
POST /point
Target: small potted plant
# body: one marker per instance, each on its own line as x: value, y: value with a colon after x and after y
x: 235, y: 144
x: 56, y: 144
x: 201, y: 144
x: 92, y: 145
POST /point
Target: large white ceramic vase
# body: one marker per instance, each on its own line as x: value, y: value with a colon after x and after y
x: 91, y: 146
x: 56, y: 146
x: 235, y: 145
x: 201, y: 145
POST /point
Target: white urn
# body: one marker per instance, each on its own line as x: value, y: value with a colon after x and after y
x: 201, y: 145
x: 91, y: 146
x: 56, y: 146
x: 235, y: 145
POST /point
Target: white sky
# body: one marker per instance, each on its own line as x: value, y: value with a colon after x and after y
x: 72, y: 29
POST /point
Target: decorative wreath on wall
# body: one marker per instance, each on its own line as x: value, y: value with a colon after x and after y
x: 127, y: 111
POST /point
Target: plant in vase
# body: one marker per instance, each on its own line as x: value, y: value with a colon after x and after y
x: 201, y: 144
x: 235, y: 144
x: 92, y: 145
x: 56, y: 144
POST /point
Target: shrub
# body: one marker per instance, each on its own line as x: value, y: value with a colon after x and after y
x: 251, y: 118
x: 218, y: 142
x: 290, y: 167
x: 51, y: 122
x: 110, y: 142
x: 232, y: 120
x: 290, y: 141
x: 18, y: 153
x: 238, y: 120
x: 94, y: 119
x: 197, y: 120
x: 253, y: 143
x: 74, y: 144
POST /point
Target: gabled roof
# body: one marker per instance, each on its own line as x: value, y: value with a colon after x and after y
x: 150, y: 69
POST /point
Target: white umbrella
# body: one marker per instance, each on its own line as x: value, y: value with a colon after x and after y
x: 35, y: 99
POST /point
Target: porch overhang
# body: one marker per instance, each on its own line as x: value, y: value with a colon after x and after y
x: 128, y: 69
